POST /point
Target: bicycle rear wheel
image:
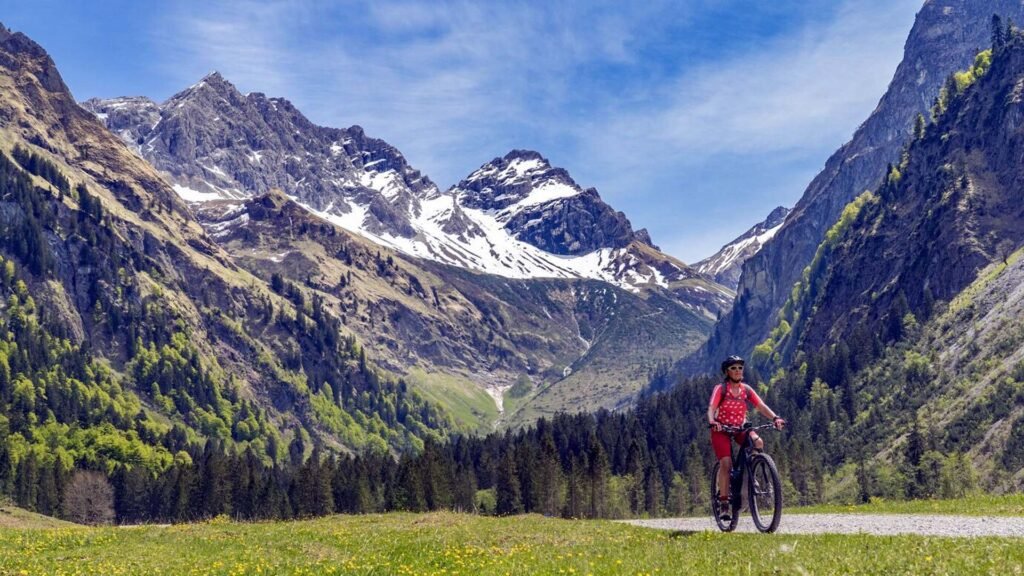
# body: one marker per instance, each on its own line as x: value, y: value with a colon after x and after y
x: 765, y: 493
x: 716, y: 504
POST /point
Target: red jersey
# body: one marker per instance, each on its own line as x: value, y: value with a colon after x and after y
x: 732, y: 410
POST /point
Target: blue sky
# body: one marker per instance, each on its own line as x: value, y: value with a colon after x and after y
x: 695, y: 118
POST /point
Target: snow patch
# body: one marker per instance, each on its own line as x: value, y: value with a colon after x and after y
x: 388, y: 183
x: 190, y: 195
x: 733, y: 252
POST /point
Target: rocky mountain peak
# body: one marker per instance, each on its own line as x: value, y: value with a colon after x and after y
x: 726, y: 265
x: 644, y: 236
x: 519, y: 177
x: 214, y: 143
x: 214, y: 83
x: 18, y: 49
x: 524, y: 155
x: 517, y: 215
x: 776, y: 217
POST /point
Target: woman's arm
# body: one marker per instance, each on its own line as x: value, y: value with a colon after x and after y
x: 769, y: 413
x: 716, y: 399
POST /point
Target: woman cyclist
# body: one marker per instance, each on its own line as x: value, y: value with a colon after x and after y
x: 728, y: 407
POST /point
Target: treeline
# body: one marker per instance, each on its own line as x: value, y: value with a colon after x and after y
x: 645, y: 462
x: 650, y: 461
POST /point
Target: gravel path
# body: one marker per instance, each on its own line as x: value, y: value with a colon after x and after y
x: 878, y: 524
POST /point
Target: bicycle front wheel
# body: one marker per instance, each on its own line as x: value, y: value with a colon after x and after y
x: 765, y: 493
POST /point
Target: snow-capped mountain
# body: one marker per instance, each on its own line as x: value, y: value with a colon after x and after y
x: 516, y: 216
x: 726, y: 265
x: 216, y: 144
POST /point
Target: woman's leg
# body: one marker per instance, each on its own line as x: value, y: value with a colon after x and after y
x: 756, y: 441
x: 724, y: 467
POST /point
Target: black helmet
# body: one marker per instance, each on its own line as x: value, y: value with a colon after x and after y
x: 730, y: 361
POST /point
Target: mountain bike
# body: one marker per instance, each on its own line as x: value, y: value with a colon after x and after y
x: 764, y: 489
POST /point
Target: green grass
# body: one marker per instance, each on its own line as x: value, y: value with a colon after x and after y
x: 452, y: 544
x: 985, y: 277
x: 512, y: 404
x: 466, y: 402
x: 979, y: 505
x: 12, y: 517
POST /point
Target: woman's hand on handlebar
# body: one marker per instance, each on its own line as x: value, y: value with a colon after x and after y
x: 715, y: 426
x: 779, y: 422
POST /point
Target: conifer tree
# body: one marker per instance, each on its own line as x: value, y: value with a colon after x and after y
x: 27, y: 481
x: 548, y: 477
x: 215, y: 483
x: 598, y: 473
x: 507, y: 491
x: 998, y: 33
x: 576, y: 488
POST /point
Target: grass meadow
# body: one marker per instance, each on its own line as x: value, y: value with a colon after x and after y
x: 450, y: 544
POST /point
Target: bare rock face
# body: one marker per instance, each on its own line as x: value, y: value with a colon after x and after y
x: 726, y: 265
x: 542, y: 206
x: 216, y: 143
x: 923, y: 238
x: 945, y: 38
x: 577, y: 225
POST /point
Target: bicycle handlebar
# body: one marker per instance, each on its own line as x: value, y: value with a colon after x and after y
x: 735, y: 429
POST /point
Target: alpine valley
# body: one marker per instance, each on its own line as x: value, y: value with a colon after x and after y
x: 224, y: 308
x: 516, y: 284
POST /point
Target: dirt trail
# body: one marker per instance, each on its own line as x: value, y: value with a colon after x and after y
x: 878, y: 524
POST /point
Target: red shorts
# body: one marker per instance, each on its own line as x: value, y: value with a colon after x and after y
x: 722, y: 442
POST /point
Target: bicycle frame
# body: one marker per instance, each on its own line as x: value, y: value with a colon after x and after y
x: 739, y: 461
x: 748, y: 463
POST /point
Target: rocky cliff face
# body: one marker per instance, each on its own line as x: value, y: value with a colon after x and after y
x: 945, y: 37
x: 215, y: 143
x: 726, y: 265
x: 913, y: 300
x: 542, y: 206
x: 950, y: 209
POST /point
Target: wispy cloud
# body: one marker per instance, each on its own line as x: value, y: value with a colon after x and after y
x: 746, y: 133
x: 797, y: 92
x: 621, y: 95
x: 451, y: 83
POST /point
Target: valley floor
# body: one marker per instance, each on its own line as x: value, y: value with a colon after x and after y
x: 449, y: 543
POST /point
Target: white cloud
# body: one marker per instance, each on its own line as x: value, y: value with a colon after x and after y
x: 797, y: 93
x: 452, y: 84
x: 707, y: 138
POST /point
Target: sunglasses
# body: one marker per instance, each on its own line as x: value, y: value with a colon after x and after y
x: 735, y: 367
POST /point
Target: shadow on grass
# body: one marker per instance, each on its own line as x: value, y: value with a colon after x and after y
x: 683, y: 533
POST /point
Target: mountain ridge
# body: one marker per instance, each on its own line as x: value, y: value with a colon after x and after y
x: 944, y: 39
x: 127, y: 303
x: 553, y: 228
